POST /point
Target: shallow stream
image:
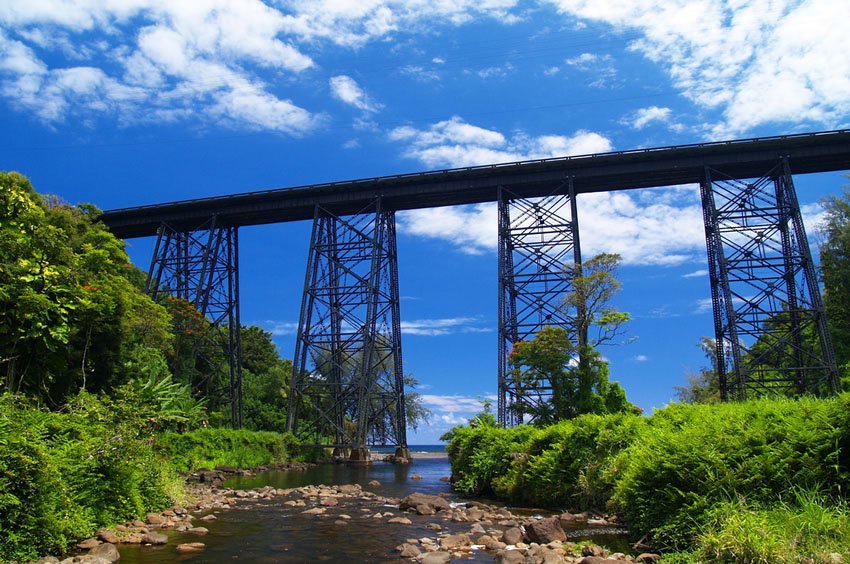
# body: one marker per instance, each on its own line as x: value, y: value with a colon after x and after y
x: 265, y: 531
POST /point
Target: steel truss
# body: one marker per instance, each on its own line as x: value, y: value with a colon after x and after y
x: 348, y: 387
x: 771, y: 334
x: 538, y: 240
x: 198, y: 271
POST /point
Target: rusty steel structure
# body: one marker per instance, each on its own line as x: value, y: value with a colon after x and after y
x: 770, y: 329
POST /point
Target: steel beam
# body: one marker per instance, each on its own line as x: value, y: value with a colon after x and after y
x: 538, y: 241
x: 347, y: 389
x: 197, y: 271
x: 770, y: 330
x: 641, y: 168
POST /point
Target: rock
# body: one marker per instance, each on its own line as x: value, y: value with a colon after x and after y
x: 436, y: 502
x: 198, y: 530
x: 438, y: 557
x: 374, y: 484
x: 88, y: 543
x: 340, y: 522
x: 108, y: 536
x: 454, y: 542
x: 434, y: 526
x: 544, y: 531
x: 650, y: 557
x: 425, y: 509
x: 328, y: 502
x: 598, y: 560
x: 445, y: 479
x: 191, y: 547
x: 314, y: 511
x: 512, y: 536
x: 490, y: 543
x: 408, y: 550
x: 416, y: 477
x: 593, y: 550
x: 48, y: 560
x: 474, y: 514
x: 107, y: 551
x: 401, y: 521
x: 155, y: 538
x: 511, y: 557
x: 155, y: 519
x: 477, y: 529
x: 573, y: 519
x: 209, y: 517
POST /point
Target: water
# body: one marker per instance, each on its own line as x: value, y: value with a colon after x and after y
x: 267, y: 531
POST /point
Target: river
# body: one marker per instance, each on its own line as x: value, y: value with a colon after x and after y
x: 267, y: 531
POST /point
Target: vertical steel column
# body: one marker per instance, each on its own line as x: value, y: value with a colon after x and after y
x: 348, y: 385
x: 200, y: 269
x: 538, y: 240
x: 771, y: 335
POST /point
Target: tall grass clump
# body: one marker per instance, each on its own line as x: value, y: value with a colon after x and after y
x: 208, y: 448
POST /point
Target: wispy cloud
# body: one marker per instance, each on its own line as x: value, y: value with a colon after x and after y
x: 444, y: 326
x: 345, y: 89
x: 696, y: 274
x: 757, y: 62
x: 640, y: 358
x: 456, y: 403
x: 644, y: 116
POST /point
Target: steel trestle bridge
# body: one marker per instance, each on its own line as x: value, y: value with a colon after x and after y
x: 347, y: 389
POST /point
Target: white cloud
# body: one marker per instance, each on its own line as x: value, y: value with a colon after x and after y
x: 601, y: 68
x: 703, y: 305
x: 445, y: 326
x: 644, y: 116
x: 420, y: 73
x: 455, y: 403
x: 696, y: 274
x: 346, y: 89
x: 757, y: 62
x: 281, y: 328
x: 438, y: 60
x: 455, y: 143
x: 640, y: 358
x: 177, y: 61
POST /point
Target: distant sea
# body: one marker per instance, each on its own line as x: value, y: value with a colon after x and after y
x: 413, y: 448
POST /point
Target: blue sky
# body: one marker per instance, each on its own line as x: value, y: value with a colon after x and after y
x: 131, y: 102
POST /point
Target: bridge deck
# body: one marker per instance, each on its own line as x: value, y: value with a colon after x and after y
x: 641, y: 168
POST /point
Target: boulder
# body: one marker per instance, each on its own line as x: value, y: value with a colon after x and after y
x: 374, y: 484
x: 199, y: 530
x: 425, y: 509
x: 490, y: 543
x: 512, y: 536
x: 416, y: 499
x: 408, y: 550
x: 598, y: 560
x: 438, y: 557
x: 648, y: 557
x: 106, y: 551
x: 155, y: 519
x: 454, y: 542
x: 594, y: 550
x: 190, y: 547
x: 154, y: 538
x: 544, y: 531
x: 209, y: 517
x: 108, y: 536
x: 511, y: 557
x: 401, y: 521
x: 88, y: 543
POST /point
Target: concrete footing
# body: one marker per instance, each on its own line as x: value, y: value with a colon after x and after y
x: 360, y: 455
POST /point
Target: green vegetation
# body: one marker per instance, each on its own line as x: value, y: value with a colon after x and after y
x: 835, y: 271
x: 672, y: 475
x: 208, y: 448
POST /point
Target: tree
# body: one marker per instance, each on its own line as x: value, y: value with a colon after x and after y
x: 703, y: 386
x: 575, y: 389
x: 835, y: 272
x: 71, y: 313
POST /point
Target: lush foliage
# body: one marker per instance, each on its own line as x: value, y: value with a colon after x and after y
x: 208, y: 448
x: 71, y: 313
x: 669, y: 473
x: 63, y: 475
x: 578, y: 387
x: 835, y: 269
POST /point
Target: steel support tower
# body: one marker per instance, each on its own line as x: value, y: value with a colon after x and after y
x: 538, y: 241
x: 347, y: 384
x: 198, y: 272
x: 771, y: 334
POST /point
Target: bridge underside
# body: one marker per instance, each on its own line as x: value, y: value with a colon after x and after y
x: 347, y: 386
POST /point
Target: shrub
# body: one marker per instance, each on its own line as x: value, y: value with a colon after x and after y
x: 208, y: 448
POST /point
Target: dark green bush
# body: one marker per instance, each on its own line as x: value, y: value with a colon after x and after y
x: 208, y: 448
